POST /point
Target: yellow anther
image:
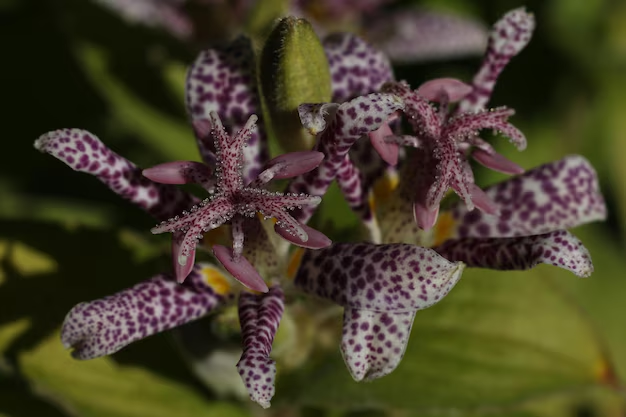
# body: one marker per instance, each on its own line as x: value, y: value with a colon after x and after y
x: 294, y: 263
x: 444, y: 229
x: 216, y: 280
x: 382, y: 189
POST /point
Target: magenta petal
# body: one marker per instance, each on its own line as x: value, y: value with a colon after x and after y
x: 483, y: 201
x: 424, y: 217
x: 181, y: 271
x: 455, y: 89
x: 316, y: 240
x: 178, y: 172
x: 497, y: 162
x: 241, y: 270
x: 388, y: 151
x: 294, y: 163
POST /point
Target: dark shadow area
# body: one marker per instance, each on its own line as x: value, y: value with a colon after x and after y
x: 91, y: 265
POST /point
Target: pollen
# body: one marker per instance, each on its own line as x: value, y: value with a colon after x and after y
x: 215, y: 279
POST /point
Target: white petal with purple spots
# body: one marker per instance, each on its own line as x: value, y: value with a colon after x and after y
x: 259, y: 315
x: 102, y: 327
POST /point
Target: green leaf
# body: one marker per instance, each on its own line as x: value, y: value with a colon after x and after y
x: 101, y: 387
x: 499, y: 337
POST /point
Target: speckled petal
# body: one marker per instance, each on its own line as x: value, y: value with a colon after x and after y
x: 224, y: 80
x: 356, y: 68
x: 384, y: 278
x: 508, y: 37
x: 467, y: 125
x: 84, y: 152
x: 558, y: 195
x: 104, y: 326
x: 352, y: 121
x: 373, y: 343
x: 412, y: 35
x: 559, y: 248
x: 259, y: 315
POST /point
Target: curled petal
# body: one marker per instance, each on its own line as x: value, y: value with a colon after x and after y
x: 559, y: 248
x: 84, y: 152
x: 104, y: 326
x: 356, y: 68
x: 384, y: 278
x: 315, y: 240
x: 224, y: 80
x: 179, y: 172
x: 497, y: 162
x: 558, y: 195
x: 290, y: 165
x: 181, y: 271
x: 259, y: 315
x: 508, y: 37
x: 417, y: 35
x: 387, y: 149
x: 373, y: 343
x: 453, y: 88
x: 241, y: 269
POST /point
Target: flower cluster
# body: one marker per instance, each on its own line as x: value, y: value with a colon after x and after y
x: 414, y: 252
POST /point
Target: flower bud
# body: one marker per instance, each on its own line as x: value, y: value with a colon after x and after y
x: 294, y: 70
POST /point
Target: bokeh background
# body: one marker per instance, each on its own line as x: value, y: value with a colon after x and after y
x: 539, y: 343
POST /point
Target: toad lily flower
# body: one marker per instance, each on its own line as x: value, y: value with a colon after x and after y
x: 232, y: 201
x: 379, y: 286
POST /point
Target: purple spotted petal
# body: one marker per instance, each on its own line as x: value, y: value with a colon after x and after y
x: 356, y: 68
x: 381, y: 288
x: 104, y: 326
x: 412, y: 35
x: 508, y: 37
x: 558, y: 195
x: 223, y: 80
x: 259, y: 315
x: 373, y: 343
x: 84, y: 152
x: 384, y: 278
x: 559, y: 248
x: 351, y: 121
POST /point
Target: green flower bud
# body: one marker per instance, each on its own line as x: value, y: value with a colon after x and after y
x: 293, y: 70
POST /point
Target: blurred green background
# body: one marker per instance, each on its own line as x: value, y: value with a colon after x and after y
x: 539, y: 343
